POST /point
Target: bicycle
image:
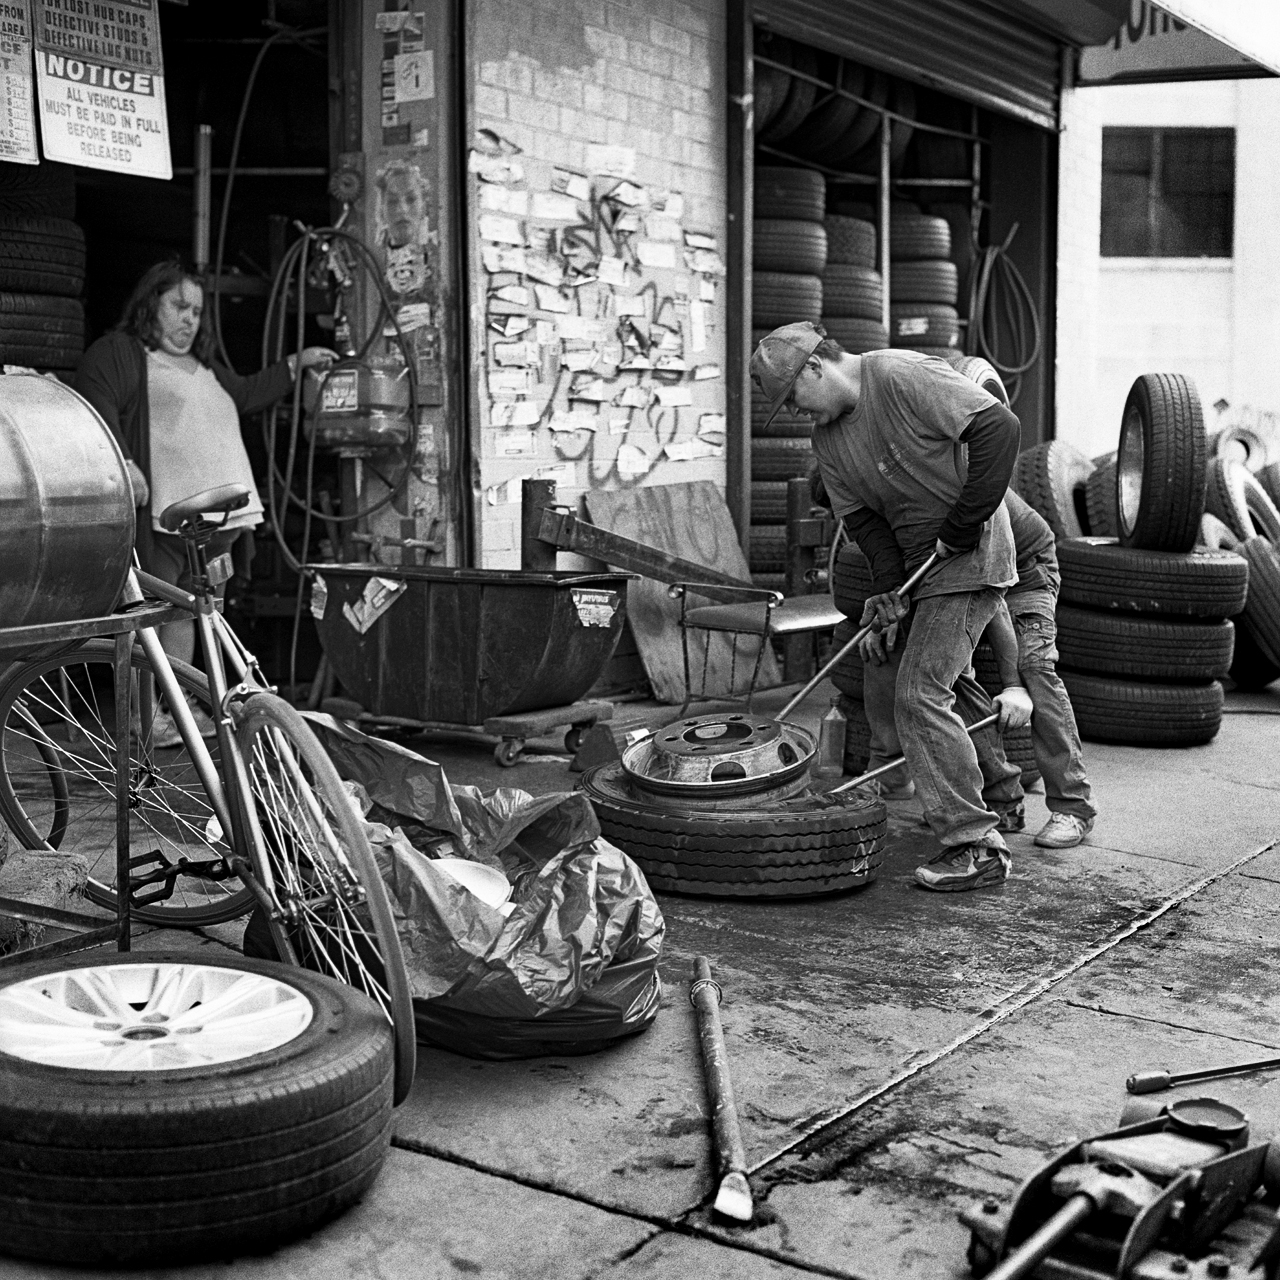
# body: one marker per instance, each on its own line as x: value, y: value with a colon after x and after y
x: 258, y: 818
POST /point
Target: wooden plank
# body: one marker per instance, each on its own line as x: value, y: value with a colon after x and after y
x: 689, y: 521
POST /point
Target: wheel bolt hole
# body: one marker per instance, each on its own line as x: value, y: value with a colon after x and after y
x: 144, y: 1033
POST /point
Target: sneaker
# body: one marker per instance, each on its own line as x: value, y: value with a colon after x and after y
x: 1012, y: 818
x: 1063, y: 830
x: 965, y: 866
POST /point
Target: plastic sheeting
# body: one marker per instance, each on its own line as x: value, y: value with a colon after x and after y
x: 572, y: 968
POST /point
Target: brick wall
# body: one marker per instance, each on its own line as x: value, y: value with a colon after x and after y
x: 556, y: 85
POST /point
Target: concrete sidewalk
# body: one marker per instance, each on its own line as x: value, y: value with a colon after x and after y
x: 895, y: 1053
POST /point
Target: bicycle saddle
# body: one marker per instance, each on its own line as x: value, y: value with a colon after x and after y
x: 226, y: 497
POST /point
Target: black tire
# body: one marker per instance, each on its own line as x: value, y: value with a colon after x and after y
x: 1234, y: 495
x: 1098, y: 573
x: 1240, y: 443
x: 1269, y: 479
x: 1050, y: 478
x: 1261, y: 617
x: 343, y: 928
x: 1019, y: 750
x: 41, y: 255
x: 790, y: 193
x: 851, y: 581
x: 847, y: 673
x: 768, y: 502
x: 46, y: 332
x: 924, y: 282
x: 1149, y: 715
x: 917, y: 237
x: 1215, y: 535
x: 146, y: 1168
x: 978, y: 370
x: 808, y: 845
x: 865, y: 126
x: 801, y: 95
x: 830, y: 121
x: 1115, y: 644
x: 927, y: 324
x: 850, y: 241
x: 853, y: 292
x: 767, y: 548
x: 1160, y: 465
x: 1251, y: 669
x: 1100, y: 500
x: 788, y: 244
x: 38, y: 190
x: 857, y: 736
x: 856, y: 336
x: 782, y: 459
x: 785, y: 424
x: 779, y: 297
x: 74, y: 807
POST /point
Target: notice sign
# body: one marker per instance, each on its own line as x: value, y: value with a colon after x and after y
x: 100, y: 81
x: 17, y: 89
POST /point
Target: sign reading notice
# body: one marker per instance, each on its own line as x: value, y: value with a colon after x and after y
x: 100, y: 76
x: 17, y: 92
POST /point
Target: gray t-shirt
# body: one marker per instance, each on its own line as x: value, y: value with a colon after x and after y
x: 899, y: 454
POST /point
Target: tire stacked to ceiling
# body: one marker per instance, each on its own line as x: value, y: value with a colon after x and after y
x: 789, y: 256
x: 1143, y: 632
x: 41, y: 268
x: 924, y: 284
x: 1243, y: 517
x: 852, y: 289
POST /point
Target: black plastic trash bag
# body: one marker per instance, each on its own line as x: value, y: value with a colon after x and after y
x: 569, y: 968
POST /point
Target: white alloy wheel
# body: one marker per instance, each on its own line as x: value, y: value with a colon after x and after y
x: 149, y: 1017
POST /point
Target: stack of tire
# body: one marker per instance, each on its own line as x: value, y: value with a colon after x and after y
x: 852, y: 289
x: 1243, y: 517
x: 850, y: 587
x: 788, y: 259
x: 41, y: 268
x: 923, y: 284
x: 1144, y: 636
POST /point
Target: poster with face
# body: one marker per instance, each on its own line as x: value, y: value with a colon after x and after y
x: 402, y: 225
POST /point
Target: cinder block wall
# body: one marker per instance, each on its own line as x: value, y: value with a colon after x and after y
x: 554, y: 82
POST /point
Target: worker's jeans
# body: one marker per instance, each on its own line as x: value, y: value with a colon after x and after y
x: 1001, y: 781
x: 940, y: 754
x: 1054, y: 735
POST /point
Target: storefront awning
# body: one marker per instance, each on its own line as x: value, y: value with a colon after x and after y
x: 1187, y: 40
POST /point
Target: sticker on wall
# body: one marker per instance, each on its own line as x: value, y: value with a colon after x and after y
x: 319, y: 597
x: 616, y: 162
x: 378, y: 596
x: 500, y: 229
x: 576, y: 185
x: 512, y: 444
x: 504, y: 200
x: 494, y: 168
x: 632, y: 461
x: 415, y: 76
x: 555, y: 207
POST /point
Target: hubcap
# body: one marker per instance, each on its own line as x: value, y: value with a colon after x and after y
x: 149, y: 1017
x: 1129, y: 465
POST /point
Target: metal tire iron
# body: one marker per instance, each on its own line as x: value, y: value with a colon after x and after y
x: 1156, y: 1081
x: 1146, y: 1201
x: 733, y: 1195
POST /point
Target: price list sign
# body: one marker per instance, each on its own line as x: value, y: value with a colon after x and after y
x: 17, y: 88
x: 100, y: 77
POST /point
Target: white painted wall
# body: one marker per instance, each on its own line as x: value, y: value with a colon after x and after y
x: 1216, y: 320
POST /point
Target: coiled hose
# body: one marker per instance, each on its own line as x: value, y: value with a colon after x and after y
x: 1004, y: 325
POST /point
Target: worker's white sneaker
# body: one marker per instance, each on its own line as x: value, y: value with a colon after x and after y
x: 965, y: 866
x: 1063, y: 831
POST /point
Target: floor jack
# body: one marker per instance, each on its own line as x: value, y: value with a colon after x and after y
x: 1176, y: 1193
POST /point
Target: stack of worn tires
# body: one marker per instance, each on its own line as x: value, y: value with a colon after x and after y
x: 852, y: 289
x: 1243, y: 517
x: 788, y: 259
x: 1144, y: 636
x: 1053, y: 479
x: 850, y: 587
x: 923, y: 284
x: 41, y: 268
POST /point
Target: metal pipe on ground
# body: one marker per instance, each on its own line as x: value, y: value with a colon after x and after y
x: 985, y: 723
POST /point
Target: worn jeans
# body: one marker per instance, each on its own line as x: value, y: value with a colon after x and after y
x: 941, y: 756
x: 1001, y: 781
x: 1054, y: 735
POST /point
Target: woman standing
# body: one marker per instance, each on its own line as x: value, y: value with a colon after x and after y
x: 175, y: 413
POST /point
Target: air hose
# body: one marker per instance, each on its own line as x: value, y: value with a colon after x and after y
x: 1004, y: 325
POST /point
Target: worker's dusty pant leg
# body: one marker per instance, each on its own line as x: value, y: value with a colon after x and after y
x: 1001, y: 781
x: 879, y: 695
x: 1054, y: 735
x: 940, y: 754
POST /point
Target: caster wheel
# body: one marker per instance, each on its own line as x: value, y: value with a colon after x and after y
x: 507, y: 752
x: 573, y: 739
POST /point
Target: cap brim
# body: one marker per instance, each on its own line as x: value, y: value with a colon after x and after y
x: 776, y: 407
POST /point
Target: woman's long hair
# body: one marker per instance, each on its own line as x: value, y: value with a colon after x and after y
x: 139, y: 315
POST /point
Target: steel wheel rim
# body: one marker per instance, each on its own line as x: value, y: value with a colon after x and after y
x: 149, y: 1017
x: 1129, y: 465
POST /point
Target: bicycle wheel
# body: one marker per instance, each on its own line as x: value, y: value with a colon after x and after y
x: 321, y: 870
x: 57, y: 782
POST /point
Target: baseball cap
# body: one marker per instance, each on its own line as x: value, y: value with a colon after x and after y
x: 778, y: 358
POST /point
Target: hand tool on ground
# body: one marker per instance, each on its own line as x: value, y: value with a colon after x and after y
x: 1155, y: 1081
x: 857, y: 639
x: 733, y: 1199
x: 984, y: 723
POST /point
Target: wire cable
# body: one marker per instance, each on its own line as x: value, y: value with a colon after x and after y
x: 1004, y: 323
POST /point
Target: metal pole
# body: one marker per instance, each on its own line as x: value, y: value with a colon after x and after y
x: 123, y: 679
x: 893, y: 764
x: 885, y: 143
x: 837, y: 658
x: 203, y: 197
